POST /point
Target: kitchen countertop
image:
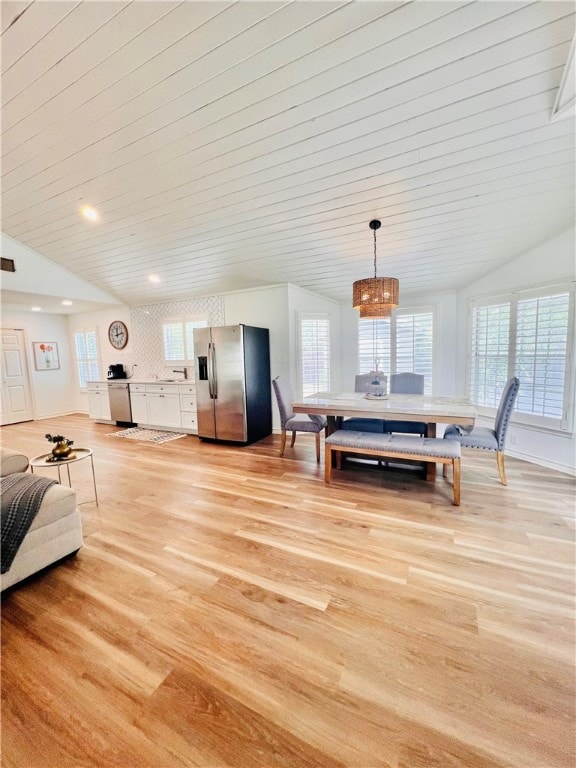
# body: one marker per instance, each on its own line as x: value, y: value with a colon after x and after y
x: 143, y: 381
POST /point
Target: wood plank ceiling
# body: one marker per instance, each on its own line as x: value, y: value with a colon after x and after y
x: 227, y: 145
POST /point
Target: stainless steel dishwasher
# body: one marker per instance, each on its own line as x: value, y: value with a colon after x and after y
x: 119, y: 395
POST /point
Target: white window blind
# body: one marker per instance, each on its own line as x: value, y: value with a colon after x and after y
x: 541, y: 350
x: 528, y: 336
x: 414, y: 346
x: 374, y: 345
x: 490, y: 351
x: 87, y: 363
x: 178, y: 336
x: 315, y: 353
x: 403, y: 343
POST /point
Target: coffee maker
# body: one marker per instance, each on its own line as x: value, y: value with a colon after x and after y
x: 116, y: 371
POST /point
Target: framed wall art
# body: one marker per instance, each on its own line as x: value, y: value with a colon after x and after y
x: 46, y: 356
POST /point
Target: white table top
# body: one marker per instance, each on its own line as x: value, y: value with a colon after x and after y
x: 452, y: 410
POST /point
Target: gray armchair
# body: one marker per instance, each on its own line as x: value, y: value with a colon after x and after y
x: 295, y: 422
x: 364, y: 383
x: 485, y: 439
x: 407, y: 384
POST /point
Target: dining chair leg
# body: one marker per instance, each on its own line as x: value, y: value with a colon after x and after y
x: 445, y: 470
x: 339, y: 460
x: 283, y: 442
x: 317, y: 446
x: 456, y: 483
x: 501, y: 467
x: 293, y: 439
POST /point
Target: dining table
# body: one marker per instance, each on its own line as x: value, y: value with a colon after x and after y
x: 429, y: 409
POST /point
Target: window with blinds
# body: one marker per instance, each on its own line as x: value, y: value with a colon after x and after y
x: 528, y: 336
x: 178, y: 337
x: 414, y: 346
x: 403, y: 343
x: 541, y: 352
x: 314, y: 353
x: 87, y: 363
x: 490, y: 346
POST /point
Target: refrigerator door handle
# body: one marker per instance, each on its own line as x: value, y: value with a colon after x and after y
x: 213, y: 376
x: 210, y: 372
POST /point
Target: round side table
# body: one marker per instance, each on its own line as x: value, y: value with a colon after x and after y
x: 45, y: 460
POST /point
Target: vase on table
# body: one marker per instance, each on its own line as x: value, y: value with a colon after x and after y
x: 61, y: 450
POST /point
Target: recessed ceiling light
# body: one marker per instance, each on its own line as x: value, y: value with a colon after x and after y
x: 66, y: 303
x: 154, y: 278
x: 89, y: 213
x: 36, y: 309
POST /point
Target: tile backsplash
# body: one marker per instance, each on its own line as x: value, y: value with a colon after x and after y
x: 146, y: 326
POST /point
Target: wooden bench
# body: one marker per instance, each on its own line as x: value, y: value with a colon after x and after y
x: 431, y: 449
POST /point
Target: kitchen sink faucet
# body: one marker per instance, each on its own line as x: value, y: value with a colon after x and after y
x: 181, y: 370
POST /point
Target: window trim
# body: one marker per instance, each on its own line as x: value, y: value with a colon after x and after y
x: 547, y: 424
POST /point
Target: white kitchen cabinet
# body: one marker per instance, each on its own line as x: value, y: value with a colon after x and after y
x: 164, y: 404
x: 190, y: 421
x: 172, y: 410
x: 188, y: 407
x: 98, y: 401
x: 139, y: 407
x: 164, y: 409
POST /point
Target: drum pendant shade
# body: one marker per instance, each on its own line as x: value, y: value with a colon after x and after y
x: 375, y: 296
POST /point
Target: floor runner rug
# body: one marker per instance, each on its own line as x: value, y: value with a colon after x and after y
x: 148, y: 435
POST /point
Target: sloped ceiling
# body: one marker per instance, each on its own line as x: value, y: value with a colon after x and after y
x: 230, y: 145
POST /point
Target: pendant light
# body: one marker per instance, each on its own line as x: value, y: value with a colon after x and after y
x: 375, y: 296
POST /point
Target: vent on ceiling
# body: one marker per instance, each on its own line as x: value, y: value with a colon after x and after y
x: 8, y: 265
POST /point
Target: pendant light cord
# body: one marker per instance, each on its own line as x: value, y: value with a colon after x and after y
x: 374, y: 253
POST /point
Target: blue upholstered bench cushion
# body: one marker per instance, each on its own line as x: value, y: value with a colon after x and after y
x: 434, y: 447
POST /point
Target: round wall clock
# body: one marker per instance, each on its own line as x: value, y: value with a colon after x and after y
x: 118, y: 334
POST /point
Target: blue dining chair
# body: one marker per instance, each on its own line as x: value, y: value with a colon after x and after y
x: 364, y: 382
x: 295, y: 422
x: 486, y: 439
x: 406, y: 384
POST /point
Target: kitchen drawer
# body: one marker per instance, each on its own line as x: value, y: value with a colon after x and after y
x: 137, y: 387
x: 187, y: 389
x: 97, y: 386
x: 159, y: 389
x: 189, y: 421
x: 188, y: 402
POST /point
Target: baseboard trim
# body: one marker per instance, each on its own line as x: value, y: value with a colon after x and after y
x: 56, y: 415
x: 565, y: 469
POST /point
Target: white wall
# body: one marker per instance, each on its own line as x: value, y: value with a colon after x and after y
x: 549, y: 263
x: 51, y: 391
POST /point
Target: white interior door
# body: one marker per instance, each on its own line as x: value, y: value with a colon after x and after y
x: 16, y: 404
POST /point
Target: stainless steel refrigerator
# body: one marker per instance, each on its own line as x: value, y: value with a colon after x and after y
x: 233, y: 391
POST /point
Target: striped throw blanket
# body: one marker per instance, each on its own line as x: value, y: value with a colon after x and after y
x: 22, y: 496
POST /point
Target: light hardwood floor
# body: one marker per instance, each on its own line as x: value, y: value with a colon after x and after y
x: 230, y: 609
